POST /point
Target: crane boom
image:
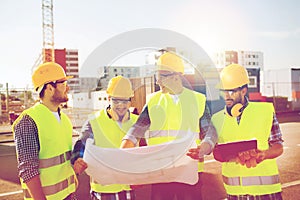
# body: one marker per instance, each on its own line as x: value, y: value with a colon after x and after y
x: 48, y: 32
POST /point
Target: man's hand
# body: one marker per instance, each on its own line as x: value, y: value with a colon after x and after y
x: 127, y: 144
x: 80, y: 166
x: 194, y: 153
x: 198, y: 153
x: 251, y: 158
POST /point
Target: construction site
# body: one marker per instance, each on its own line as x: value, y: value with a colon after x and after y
x: 88, y: 94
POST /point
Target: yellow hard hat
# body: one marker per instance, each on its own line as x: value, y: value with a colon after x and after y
x: 233, y: 76
x: 170, y: 62
x: 120, y: 86
x: 46, y: 73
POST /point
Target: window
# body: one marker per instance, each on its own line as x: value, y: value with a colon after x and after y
x: 74, y: 59
x: 72, y: 53
x: 253, y: 82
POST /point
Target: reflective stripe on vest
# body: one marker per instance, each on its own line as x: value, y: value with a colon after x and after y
x: 52, y: 189
x: 50, y: 162
x: 252, y: 180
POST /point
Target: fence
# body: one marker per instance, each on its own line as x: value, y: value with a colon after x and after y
x: 284, y: 95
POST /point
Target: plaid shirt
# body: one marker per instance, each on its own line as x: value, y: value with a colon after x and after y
x: 27, y: 147
x: 274, y: 196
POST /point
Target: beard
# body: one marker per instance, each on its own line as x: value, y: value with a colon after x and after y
x: 59, y: 98
x: 231, y: 102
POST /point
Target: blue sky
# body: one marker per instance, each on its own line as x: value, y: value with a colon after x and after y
x: 272, y: 27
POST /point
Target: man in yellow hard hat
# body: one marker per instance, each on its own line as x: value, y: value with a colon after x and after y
x: 172, y: 110
x: 253, y: 174
x: 43, y: 137
x: 107, y: 127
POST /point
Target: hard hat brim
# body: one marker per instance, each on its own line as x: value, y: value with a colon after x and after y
x: 67, y: 77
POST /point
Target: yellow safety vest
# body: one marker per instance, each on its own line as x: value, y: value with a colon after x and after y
x: 169, y: 119
x: 56, y: 173
x: 255, y: 123
x: 108, y: 134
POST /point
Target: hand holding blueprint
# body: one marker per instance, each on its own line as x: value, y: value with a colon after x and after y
x: 143, y: 165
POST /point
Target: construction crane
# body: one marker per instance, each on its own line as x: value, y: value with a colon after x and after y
x: 47, y: 54
x: 48, y: 32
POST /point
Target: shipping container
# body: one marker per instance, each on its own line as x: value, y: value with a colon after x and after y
x: 284, y: 83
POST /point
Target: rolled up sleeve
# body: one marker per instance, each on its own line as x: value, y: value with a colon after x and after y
x: 27, y: 148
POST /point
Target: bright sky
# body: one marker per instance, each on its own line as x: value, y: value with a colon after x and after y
x: 272, y: 27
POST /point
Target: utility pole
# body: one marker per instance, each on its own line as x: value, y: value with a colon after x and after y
x: 7, y: 99
x: 0, y: 100
x: 274, y: 97
x: 25, y: 98
x: 0, y: 104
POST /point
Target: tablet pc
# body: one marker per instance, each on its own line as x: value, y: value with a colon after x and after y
x: 227, y: 151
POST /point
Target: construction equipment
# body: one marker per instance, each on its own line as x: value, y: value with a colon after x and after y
x: 48, y: 32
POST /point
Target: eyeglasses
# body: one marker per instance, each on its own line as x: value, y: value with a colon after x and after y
x: 120, y: 101
x: 60, y: 82
x: 231, y: 92
x: 159, y: 75
x: 54, y: 83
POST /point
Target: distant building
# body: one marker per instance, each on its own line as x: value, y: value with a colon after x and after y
x: 95, y: 100
x: 126, y: 71
x: 225, y: 58
x: 251, y: 59
x: 248, y: 59
x: 88, y: 84
x: 68, y: 59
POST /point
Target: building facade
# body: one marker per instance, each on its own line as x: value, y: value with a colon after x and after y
x: 248, y: 59
x: 72, y: 68
x: 251, y: 59
x: 126, y: 71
